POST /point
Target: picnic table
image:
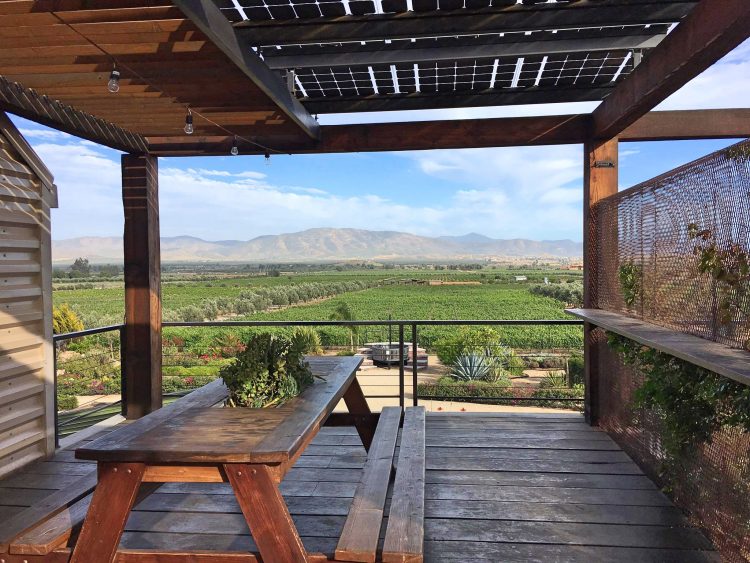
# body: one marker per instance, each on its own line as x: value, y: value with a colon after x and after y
x: 252, y: 449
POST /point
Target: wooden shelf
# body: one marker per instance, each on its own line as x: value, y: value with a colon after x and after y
x: 726, y: 361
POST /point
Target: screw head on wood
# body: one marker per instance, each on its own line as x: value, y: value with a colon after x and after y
x: 114, y: 469
x: 255, y: 471
x: 129, y: 471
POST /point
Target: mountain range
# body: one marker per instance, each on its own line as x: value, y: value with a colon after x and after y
x: 322, y: 245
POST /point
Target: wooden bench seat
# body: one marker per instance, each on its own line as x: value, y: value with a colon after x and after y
x: 359, y: 539
x: 404, y: 535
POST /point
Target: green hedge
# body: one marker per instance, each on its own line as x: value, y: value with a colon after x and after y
x: 447, y: 389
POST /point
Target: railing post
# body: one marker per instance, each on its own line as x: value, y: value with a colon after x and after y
x: 401, y: 374
x: 123, y: 379
x: 415, y: 400
x: 54, y: 371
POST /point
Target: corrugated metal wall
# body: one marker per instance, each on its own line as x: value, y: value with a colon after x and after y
x: 26, y: 362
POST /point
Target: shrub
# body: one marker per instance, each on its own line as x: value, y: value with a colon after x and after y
x: 554, y: 381
x: 66, y: 402
x: 170, y: 384
x: 270, y: 370
x: 466, y: 341
x: 472, y: 367
x: 569, y: 293
x: 575, y: 369
x: 307, y: 340
x: 64, y: 319
x: 501, y: 393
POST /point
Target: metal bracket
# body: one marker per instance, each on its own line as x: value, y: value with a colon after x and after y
x: 604, y: 164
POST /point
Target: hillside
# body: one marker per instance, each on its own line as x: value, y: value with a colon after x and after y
x: 322, y: 245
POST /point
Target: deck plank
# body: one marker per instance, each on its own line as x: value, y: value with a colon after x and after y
x: 537, y: 491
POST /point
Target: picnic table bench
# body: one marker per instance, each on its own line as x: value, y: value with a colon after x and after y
x: 252, y: 449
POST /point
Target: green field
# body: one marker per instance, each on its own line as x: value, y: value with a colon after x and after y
x: 497, y: 298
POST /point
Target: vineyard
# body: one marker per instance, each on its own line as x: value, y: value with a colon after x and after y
x: 193, y: 355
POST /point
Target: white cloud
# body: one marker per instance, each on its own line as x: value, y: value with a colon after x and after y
x: 511, y: 192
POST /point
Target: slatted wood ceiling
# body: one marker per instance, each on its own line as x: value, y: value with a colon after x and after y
x: 26, y: 378
x: 166, y: 64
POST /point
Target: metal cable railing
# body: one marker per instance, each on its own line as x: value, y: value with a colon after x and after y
x: 405, y: 361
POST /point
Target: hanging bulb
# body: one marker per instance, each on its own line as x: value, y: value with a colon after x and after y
x: 235, y: 149
x: 189, y: 122
x: 268, y: 158
x: 114, y: 81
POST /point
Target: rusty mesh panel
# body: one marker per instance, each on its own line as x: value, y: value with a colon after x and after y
x: 713, y: 487
x: 647, y: 226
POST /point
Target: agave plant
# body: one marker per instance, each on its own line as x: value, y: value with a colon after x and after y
x: 472, y: 367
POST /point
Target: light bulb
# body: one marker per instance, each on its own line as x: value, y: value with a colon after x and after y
x: 114, y: 82
x: 268, y: 158
x: 235, y: 150
x: 189, y: 123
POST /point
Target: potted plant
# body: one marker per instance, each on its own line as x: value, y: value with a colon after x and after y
x: 269, y: 370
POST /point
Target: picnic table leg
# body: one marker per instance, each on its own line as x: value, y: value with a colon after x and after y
x: 266, y: 513
x: 357, y: 405
x: 113, y: 498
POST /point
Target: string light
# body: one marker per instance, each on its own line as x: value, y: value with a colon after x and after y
x: 114, y: 86
x: 114, y: 80
x: 189, y: 122
x: 268, y: 158
x: 235, y: 150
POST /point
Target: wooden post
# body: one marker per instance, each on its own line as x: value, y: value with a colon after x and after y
x: 599, y: 181
x: 141, y: 338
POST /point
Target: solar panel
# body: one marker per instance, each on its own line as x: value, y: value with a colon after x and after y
x: 523, y: 59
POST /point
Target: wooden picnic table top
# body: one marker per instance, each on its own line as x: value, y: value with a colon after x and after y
x: 231, y: 435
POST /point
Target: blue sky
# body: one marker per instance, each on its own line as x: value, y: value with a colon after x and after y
x: 531, y: 192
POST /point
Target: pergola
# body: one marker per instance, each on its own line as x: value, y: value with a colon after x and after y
x: 256, y: 73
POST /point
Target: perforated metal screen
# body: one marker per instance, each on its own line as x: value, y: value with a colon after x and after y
x: 646, y: 229
x: 712, y: 487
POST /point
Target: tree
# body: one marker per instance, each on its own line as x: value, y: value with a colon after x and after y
x: 342, y: 312
x: 81, y: 267
x: 64, y: 319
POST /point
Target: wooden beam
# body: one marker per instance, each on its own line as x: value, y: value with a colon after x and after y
x: 507, y: 19
x: 471, y: 133
x: 689, y: 124
x: 600, y: 178
x: 709, y: 32
x: 326, y: 58
x: 406, y: 136
x: 141, y: 341
x: 27, y: 103
x: 210, y: 20
x: 418, y: 100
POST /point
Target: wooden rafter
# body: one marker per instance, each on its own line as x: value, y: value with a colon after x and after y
x: 27, y: 103
x: 709, y: 32
x: 214, y: 25
x: 409, y: 25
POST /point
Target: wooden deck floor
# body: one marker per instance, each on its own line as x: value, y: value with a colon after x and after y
x: 498, y: 488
